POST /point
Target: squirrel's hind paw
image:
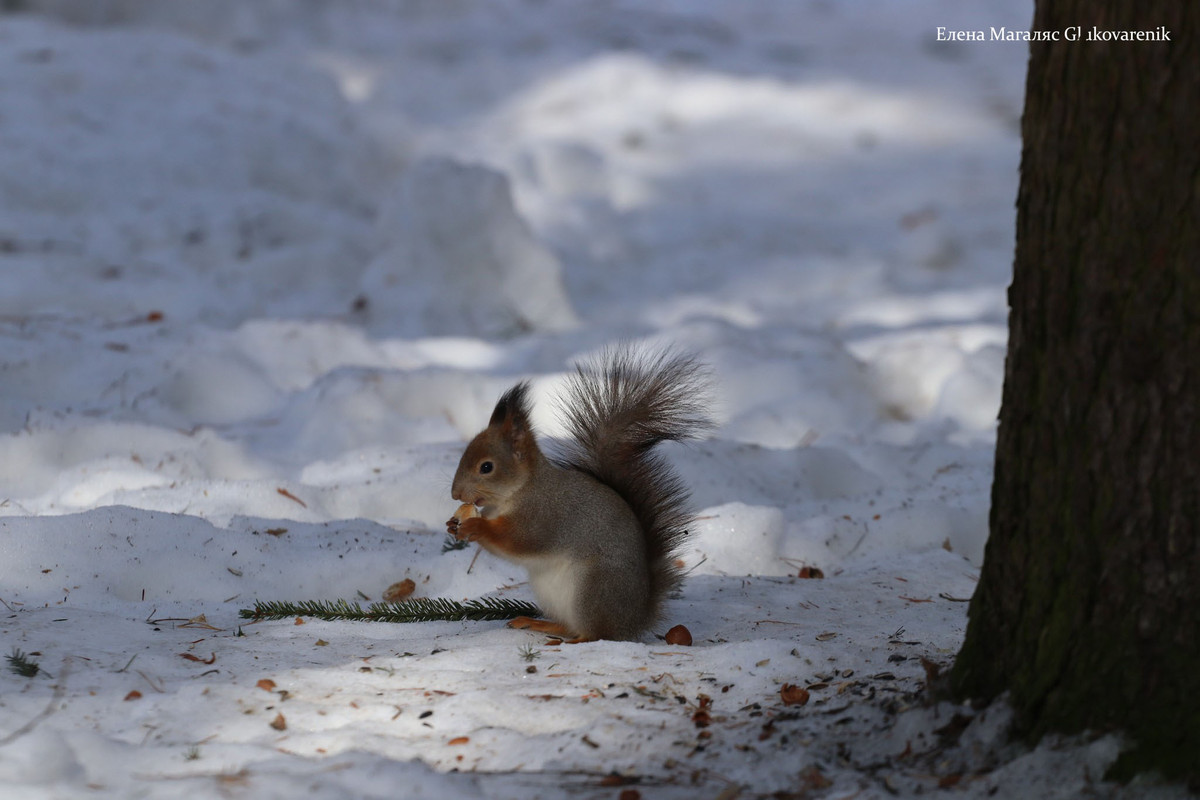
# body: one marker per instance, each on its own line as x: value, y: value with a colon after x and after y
x: 561, y: 634
x: 539, y: 625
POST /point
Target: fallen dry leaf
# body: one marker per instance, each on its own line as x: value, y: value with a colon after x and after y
x: 134, y: 695
x: 199, y: 622
x: 191, y: 657
x: 703, y: 717
x: 793, y: 695
x: 299, y: 621
x: 813, y: 779
x: 679, y: 635
x: 291, y: 496
x: 239, y: 778
x: 401, y: 590
x: 810, y: 572
x: 279, y: 723
x: 266, y: 684
x: 459, y: 740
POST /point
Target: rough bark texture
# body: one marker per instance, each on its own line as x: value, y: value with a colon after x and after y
x: 1088, y: 608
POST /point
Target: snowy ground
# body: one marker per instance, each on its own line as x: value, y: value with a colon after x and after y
x: 265, y: 267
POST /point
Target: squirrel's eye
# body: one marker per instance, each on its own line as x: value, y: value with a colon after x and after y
x: 485, y: 468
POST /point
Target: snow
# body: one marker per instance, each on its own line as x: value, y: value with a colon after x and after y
x: 264, y: 268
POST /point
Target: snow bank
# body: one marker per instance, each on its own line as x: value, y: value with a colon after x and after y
x: 175, y: 172
x: 454, y: 257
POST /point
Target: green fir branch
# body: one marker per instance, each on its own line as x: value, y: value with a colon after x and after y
x: 418, y: 609
x: 22, y: 664
x: 452, y: 543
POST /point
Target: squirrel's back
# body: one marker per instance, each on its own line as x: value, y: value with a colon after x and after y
x: 617, y: 409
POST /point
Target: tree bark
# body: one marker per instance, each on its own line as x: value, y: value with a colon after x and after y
x: 1088, y: 606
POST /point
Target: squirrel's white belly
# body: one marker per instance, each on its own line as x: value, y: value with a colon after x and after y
x: 555, y: 581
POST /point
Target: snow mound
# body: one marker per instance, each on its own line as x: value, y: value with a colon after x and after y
x: 456, y: 258
x: 177, y: 173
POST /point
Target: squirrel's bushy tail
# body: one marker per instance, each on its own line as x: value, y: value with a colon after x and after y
x: 617, y: 409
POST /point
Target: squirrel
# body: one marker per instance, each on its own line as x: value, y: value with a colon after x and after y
x: 599, y: 526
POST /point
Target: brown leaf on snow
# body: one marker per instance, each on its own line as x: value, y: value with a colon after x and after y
x: 190, y: 657
x: 793, y: 695
x: 916, y: 599
x: 291, y: 496
x: 199, y: 622
x: 703, y: 717
x: 810, y: 572
x: 239, y: 778
x: 279, y: 723
x: 401, y: 590
x: 813, y: 779
x: 134, y: 695
x: 679, y: 635
x: 266, y: 684
x: 459, y: 740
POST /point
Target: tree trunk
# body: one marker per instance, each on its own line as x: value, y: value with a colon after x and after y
x: 1088, y: 607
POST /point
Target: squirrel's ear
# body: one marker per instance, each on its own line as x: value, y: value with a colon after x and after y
x: 511, y: 416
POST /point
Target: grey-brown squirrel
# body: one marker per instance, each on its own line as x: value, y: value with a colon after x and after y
x: 598, y: 527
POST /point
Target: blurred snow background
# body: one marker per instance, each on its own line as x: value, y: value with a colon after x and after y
x: 265, y: 266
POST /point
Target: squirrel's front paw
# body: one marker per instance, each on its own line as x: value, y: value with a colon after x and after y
x: 469, y: 529
x: 465, y: 513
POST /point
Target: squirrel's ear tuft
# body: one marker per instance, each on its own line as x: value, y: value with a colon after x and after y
x: 513, y: 403
x: 511, y: 415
